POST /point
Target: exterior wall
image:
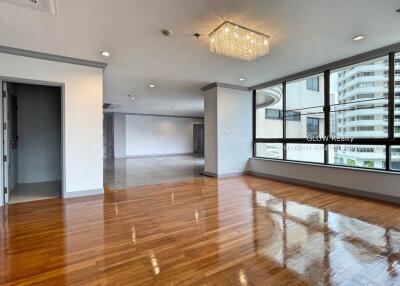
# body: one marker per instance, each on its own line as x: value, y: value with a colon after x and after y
x: 82, y: 116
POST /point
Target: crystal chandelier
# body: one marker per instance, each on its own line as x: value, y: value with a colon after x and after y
x: 238, y: 42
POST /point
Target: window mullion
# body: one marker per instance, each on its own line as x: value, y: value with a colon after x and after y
x: 326, y: 113
x: 254, y: 121
x: 391, y: 95
x: 284, y: 119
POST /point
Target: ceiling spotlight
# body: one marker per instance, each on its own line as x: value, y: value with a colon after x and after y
x: 105, y: 54
x: 131, y: 97
x: 152, y: 85
x: 358, y: 38
x: 241, y: 79
x: 398, y: 10
x: 166, y: 32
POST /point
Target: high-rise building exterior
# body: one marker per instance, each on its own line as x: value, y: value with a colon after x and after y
x: 361, y: 111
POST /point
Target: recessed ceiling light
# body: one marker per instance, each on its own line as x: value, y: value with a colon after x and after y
x: 152, y: 85
x: 105, y: 54
x: 166, y: 32
x: 131, y: 97
x: 358, y: 38
x: 241, y: 79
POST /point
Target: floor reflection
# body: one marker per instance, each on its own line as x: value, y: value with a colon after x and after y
x: 231, y: 231
x: 131, y: 172
x: 326, y: 247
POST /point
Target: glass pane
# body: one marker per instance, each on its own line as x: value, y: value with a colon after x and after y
x: 269, y: 112
x: 363, y: 156
x: 269, y: 150
x: 304, y: 105
x: 397, y: 97
x: 395, y: 158
x: 359, y: 100
x: 305, y: 152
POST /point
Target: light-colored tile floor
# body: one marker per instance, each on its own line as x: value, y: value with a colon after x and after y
x: 133, y: 172
x: 35, y: 191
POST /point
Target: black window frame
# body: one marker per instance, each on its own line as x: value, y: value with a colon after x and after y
x: 389, y: 141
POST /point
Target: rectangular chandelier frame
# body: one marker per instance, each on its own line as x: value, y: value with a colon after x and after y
x: 233, y: 40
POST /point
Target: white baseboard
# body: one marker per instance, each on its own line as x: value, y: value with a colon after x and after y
x: 83, y: 193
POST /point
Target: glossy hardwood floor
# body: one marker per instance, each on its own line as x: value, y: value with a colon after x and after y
x: 233, y: 231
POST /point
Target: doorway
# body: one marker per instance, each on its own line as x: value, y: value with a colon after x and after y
x: 108, y: 136
x: 198, y: 139
x: 32, y: 161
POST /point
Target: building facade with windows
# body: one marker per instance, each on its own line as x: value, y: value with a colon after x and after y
x: 361, y: 111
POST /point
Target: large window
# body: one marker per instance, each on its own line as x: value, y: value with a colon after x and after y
x: 352, y: 119
x: 269, y: 150
x: 359, y: 100
x: 302, y: 104
x: 305, y: 152
x: 269, y: 112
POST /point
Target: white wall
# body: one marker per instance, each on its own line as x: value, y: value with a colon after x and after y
x: 372, y: 182
x: 228, y: 131
x: 158, y: 135
x: 39, y: 133
x: 82, y: 118
x: 210, y: 132
x: 234, y: 130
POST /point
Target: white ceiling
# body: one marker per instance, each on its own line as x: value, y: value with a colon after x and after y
x: 304, y: 34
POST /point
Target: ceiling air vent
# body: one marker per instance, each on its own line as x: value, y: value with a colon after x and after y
x: 48, y: 6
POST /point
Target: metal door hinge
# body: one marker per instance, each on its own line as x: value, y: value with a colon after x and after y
x: 5, y: 158
x: 5, y: 190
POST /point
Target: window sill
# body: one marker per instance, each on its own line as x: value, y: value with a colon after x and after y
x: 328, y: 166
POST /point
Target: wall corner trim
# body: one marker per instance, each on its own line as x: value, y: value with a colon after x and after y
x: 226, y: 85
x: 83, y: 193
x: 51, y: 57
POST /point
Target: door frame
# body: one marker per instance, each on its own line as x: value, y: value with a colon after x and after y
x: 63, y: 149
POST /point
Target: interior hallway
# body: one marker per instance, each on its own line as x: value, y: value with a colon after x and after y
x: 132, y: 172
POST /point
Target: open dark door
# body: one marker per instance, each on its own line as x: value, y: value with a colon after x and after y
x: 198, y: 138
x: 6, y: 141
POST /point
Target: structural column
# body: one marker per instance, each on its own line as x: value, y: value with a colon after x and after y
x: 228, y: 129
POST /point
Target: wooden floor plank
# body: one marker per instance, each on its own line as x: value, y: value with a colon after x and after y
x: 232, y: 231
